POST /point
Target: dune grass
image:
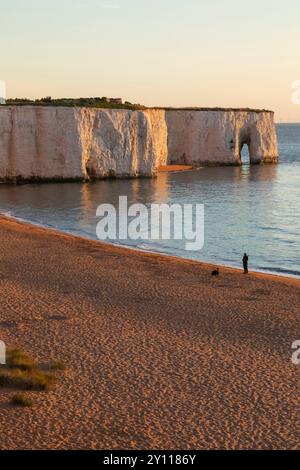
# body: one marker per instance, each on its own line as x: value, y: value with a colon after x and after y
x: 17, y: 359
x: 21, y: 372
x: 21, y: 400
x: 26, y: 380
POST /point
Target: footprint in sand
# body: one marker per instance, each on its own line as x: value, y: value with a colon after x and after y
x: 57, y: 317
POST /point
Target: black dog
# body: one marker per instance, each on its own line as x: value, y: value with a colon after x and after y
x: 215, y: 272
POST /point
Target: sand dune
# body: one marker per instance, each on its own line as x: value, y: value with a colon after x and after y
x: 159, y: 355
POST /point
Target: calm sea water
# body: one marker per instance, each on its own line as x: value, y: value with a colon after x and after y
x: 253, y: 209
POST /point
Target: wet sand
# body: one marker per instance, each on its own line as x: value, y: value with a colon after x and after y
x: 159, y: 354
x: 175, y: 168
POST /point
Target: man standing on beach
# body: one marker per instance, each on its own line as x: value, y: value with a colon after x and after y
x: 245, y: 263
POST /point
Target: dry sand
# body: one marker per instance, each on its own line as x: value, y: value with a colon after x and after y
x: 159, y: 354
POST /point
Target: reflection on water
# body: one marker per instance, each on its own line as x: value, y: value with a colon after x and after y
x: 249, y: 208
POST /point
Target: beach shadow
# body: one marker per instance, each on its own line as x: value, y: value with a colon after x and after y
x: 6, y: 406
x: 261, y: 292
x: 8, y: 324
x: 250, y: 299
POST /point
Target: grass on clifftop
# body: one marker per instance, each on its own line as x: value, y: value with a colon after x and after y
x: 73, y: 103
x: 106, y: 104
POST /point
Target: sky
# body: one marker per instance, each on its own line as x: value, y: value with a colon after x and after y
x: 224, y: 53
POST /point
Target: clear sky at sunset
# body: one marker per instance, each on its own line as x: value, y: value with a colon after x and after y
x: 155, y: 52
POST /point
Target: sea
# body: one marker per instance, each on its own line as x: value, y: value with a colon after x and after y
x: 252, y: 209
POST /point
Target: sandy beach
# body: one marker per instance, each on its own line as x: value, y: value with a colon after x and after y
x: 159, y: 354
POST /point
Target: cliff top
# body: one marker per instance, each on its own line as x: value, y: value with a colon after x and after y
x: 252, y: 110
x: 106, y: 103
x: 114, y: 103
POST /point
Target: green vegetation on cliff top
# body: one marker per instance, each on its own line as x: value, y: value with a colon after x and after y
x: 108, y: 103
x: 74, y: 102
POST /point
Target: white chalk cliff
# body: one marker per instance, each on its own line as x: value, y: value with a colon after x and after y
x: 217, y: 137
x: 49, y: 143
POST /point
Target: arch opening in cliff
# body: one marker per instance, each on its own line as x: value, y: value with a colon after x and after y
x: 245, y: 154
x: 246, y: 149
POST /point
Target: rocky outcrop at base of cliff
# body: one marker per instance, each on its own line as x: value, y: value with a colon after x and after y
x: 57, y: 143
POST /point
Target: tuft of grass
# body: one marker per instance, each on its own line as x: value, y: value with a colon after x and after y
x: 4, y: 379
x: 57, y: 365
x: 21, y: 372
x: 17, y: 359
x: 27, y: 380
x: 21, y: 400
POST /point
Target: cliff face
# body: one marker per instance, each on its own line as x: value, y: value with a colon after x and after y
x: 47, y: 143
x: 39, y: 143
x: 122, y: 143
x: 217, y: 137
